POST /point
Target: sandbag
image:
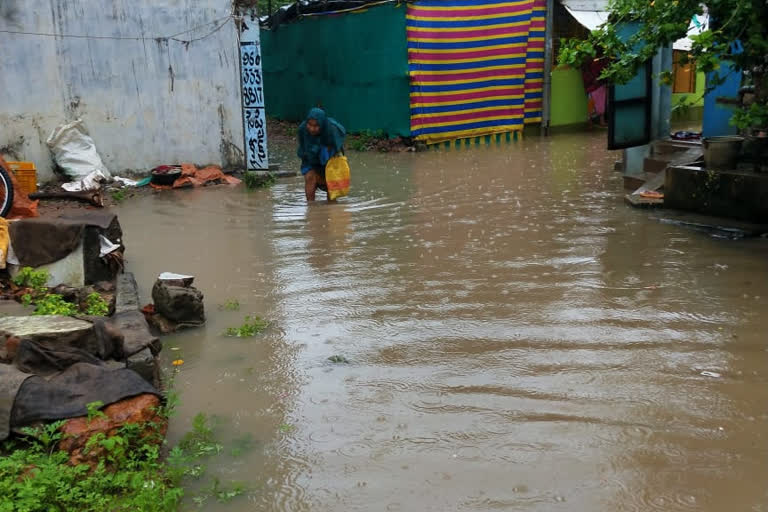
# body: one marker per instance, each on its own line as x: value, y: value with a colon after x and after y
x: 75, y: 153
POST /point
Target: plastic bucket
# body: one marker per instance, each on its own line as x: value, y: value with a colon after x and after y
x: 722, y: 152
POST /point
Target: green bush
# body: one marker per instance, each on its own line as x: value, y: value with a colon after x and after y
x: 54, y: 304
x: 95, y: 305
x: 28, y: 277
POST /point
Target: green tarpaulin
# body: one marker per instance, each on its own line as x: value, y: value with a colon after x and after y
x: 355, y: 65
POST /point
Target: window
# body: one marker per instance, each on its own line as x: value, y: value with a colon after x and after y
x: 684, y: 74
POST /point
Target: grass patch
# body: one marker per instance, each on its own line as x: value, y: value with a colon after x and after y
x: 365, y: 141
x: 249, y: 328
x: 230, y: 305
x: 254, y: 179
x: 117, y: 195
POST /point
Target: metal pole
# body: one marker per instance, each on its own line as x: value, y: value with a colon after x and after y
x: 547, y: 86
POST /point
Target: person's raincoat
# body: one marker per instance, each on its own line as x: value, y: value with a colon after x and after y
x: 316, y: 151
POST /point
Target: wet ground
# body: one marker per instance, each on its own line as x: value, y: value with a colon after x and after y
x: 517, y: 339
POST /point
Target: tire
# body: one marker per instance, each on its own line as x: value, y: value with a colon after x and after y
x: 6, y: 198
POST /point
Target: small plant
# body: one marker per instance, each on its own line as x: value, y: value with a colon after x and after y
x: 118, y: 195
x: 199, y: 442
x: 95, y: 305
x: 338, y: 359
x: 365, y: 141
x: 94, y: 410
x: 250, y: 327
x: 46, y: 436
x: 243, y: 444
x: 222, y: 493
x: 255, y: 179
x: 28, y: 277
x: 230, y: 305
x: 54, y: 304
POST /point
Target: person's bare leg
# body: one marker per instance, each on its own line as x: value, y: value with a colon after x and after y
x: 310, y: 184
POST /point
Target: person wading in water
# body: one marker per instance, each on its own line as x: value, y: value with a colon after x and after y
x: 320, y: 137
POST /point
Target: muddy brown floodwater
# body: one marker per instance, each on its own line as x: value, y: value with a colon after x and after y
x: 517, y: 338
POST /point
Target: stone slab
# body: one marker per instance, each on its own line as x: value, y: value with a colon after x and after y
x: 62, y: 330
x: 135, y: 331
x: 127, y: 296
x: 13, y: 308
x: 43, y: 326
x: 145, y: 364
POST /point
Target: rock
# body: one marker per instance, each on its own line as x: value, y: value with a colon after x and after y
x: 68, y: 293
x: 145, y: 364
x: 158, y: 323
x: 62, y: 330
x: 134, y: 330
x: 141, y: 409
x: 110, y: 338
x: 127, y: 296
x: 172, y: 279
x: 105, y: 286
x: 8, y: 349
x: 182, y: 305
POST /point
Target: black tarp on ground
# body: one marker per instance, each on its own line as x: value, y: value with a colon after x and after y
x: 66, y: 394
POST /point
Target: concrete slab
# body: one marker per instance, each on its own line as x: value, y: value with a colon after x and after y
x: 736, y: 194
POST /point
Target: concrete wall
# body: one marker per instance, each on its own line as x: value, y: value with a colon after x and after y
x: 145, y: 102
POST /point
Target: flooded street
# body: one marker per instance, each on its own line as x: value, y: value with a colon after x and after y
x: 517, y: 339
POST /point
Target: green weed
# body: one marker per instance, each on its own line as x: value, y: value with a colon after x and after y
x: 250, y: 327
x: 230, y: 305
x: 95, y: 305
x: 255, y: 179
x: 28, y: 277
x: 94, y: 410
x: 118, y: 195
x: 365, y: 141
x: 54, y: 304
x: 36, y: 477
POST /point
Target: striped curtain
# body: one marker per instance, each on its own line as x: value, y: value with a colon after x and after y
x: 476, y: 66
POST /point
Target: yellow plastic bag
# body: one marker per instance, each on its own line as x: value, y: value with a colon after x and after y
x: 4, y: 241
x: 337, y: 177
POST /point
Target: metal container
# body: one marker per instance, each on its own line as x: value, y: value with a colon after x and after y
x: 722, y: 152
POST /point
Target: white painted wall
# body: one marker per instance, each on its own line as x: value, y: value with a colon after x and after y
x: 145, y: 102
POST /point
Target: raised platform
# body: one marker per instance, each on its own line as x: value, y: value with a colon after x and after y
x: 737, y: 194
